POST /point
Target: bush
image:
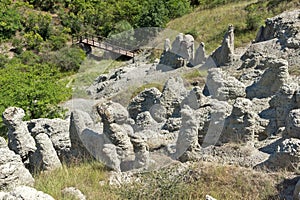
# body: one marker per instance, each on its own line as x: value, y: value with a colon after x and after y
x: 10, y: 21
x: 67, y: 58
x: 37, y: 89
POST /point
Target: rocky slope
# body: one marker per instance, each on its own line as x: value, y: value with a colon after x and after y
x: 249, y: 100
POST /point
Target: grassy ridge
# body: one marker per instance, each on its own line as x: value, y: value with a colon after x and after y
x: 210, y: 25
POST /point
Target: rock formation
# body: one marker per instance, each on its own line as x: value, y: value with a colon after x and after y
x: 12, y: 171
x: 19, y: 138
x: 25, y: 193
x: 224, y: 54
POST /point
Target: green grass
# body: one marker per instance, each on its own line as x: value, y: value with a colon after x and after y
x: 210, y: 25
x: 84, y: 176
x: 220, y: 181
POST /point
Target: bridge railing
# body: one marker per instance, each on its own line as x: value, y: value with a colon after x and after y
x: 91, y: 39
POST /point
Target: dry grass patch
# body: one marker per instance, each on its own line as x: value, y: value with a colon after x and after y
x: 84, y: 176
x: 210, y: 25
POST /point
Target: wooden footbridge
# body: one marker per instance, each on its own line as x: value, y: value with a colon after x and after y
x: 105, y: 44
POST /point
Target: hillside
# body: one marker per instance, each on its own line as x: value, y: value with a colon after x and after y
x: 209, y: 25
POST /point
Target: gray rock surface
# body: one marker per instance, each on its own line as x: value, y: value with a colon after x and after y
x: 143, y: 102
x: 224, y: 54
x: 172, y: 95
x: 244, y: 125
x: 187, y: 144
x: 19, y: 138
x: 12, y: 171
x: 223, y: 87
x: 200, y: 56
x: 26, y: 193
x: 45, y: 156
x: 275, y: 76
x: 293, y: 124
x: 114, y: 117
x: 287, y: 155
x: 58, y: 132
x: 74, y: 193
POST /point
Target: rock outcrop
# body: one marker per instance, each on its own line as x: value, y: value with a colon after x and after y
x: 25, y: 193
x: 12, y: 171
x: 19, y: 138
x: 221, y: 86
x: 224, y: 54
x: 45, y: 157
x: 275, y: 76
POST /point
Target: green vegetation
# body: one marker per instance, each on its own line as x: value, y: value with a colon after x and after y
x: 220, y: 181
x: 211, y: 19
x: 86, y: 176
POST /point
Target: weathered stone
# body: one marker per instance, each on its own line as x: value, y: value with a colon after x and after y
x: 19, y: 138
x: 243, y: 125
x: 74, y: 193
x: 287, y: 155
x: 172, y: 124
x: 58, y: 132
x: 12, y: 171
x: 117, y: 131
x: 143, y: 102
x: 283, y: 102
x: 218, y: 112
x: 145, y: 121
x: 271, y: 81
x: 187, y: 48
x: 193, y: 99
x: 221, y: 86
x: 111, y: 157
x: 111, y: 112
x: 172, y: 95
x: 293, y: 124
x: 177, y: 43
x: 45, y: 157
x: 167, y: 45
x: 187, y: 144
x: 284, y: 27
x: 224, y: 54
x: 158, y: 113
x: 141, y: 151
x: 200, y: 56
x: 26, y: 193
x: 79, y: 123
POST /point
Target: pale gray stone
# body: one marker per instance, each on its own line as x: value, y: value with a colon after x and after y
x: 45, y: 156
x: 73, y: 192
x: 221, y: 86
x: 26, y: 193
x: 224, y: 54
x: 187, y: 144
x: 275, y: 76
x: 200, y: 56
x: 172, y: 95
x: 143, y: 102
x: 19, y: 138
x: 12, y: 171
x: 293, y: 124
x: 58, y: 132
